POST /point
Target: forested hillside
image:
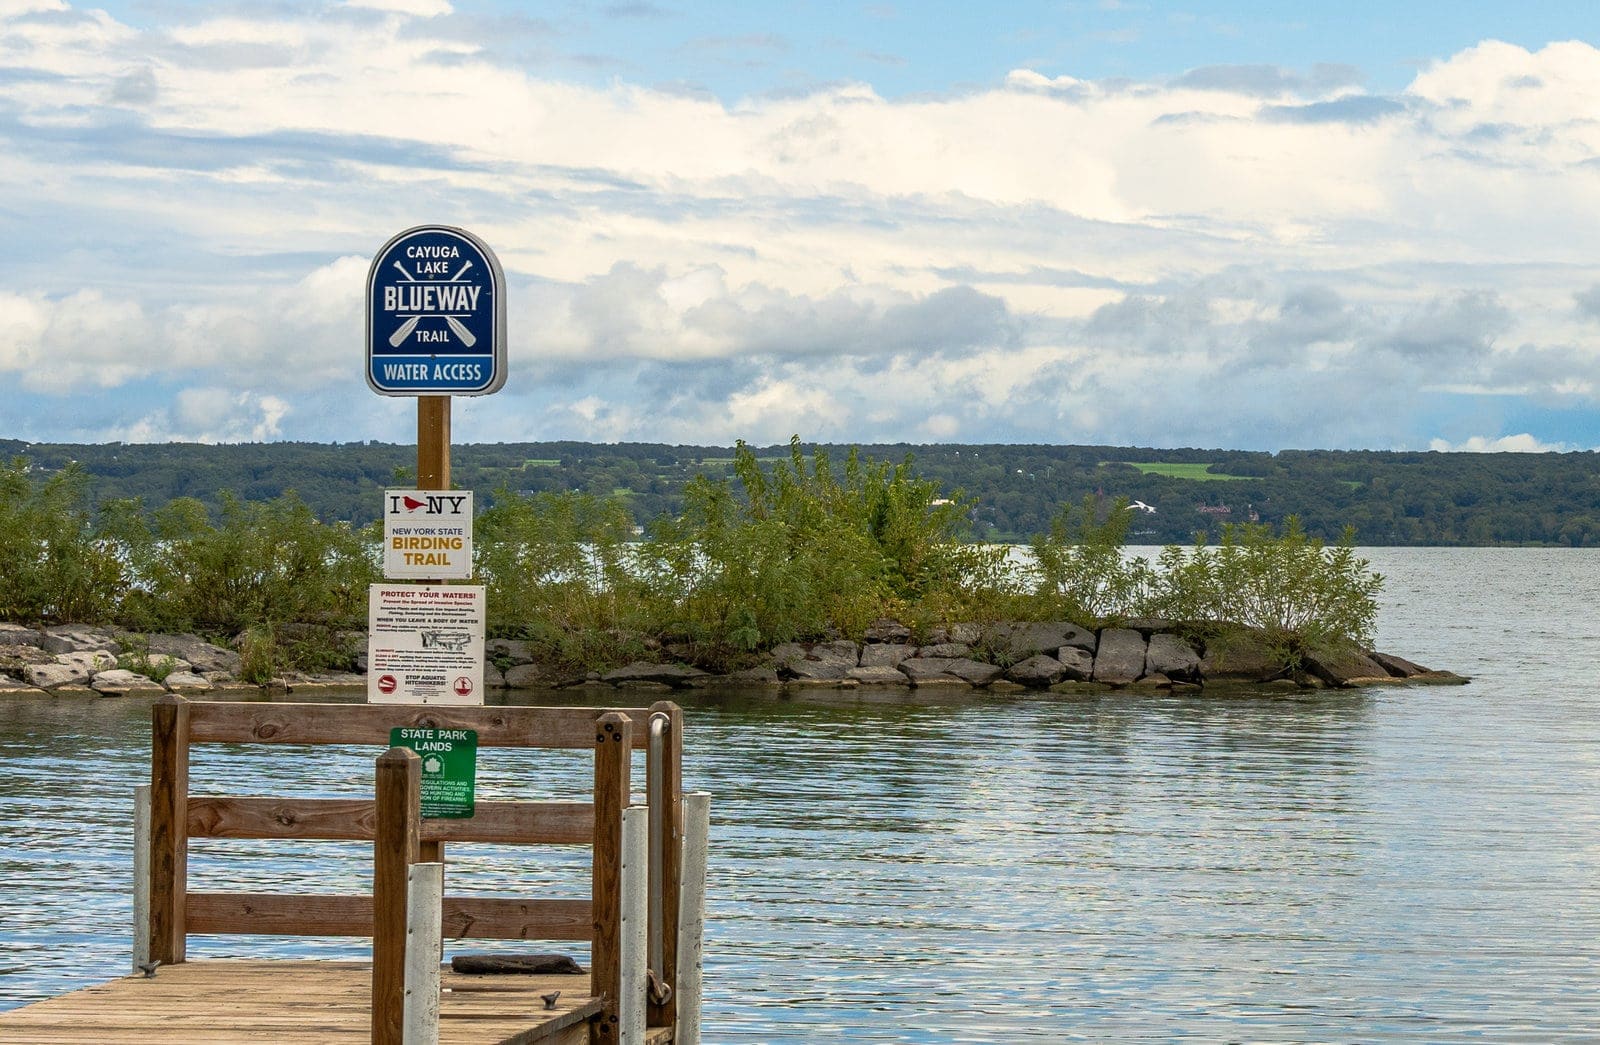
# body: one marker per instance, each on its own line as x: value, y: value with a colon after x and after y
x: 1389, y: 498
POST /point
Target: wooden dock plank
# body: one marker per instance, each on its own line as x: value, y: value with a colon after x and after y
x: 292, y: 1002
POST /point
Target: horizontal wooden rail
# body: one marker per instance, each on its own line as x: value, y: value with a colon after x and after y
x: 464, y: 917
x: 355, y: 820
x: 243, y: 723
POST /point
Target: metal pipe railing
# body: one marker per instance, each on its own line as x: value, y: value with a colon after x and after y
x: 656, y: 798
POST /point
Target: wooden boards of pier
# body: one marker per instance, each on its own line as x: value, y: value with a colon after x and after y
x: 298, y: 1003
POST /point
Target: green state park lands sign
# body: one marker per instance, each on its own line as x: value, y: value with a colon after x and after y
x: 449, y: 768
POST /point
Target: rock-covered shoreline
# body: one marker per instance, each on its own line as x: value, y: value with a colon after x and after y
x: 69, y: 660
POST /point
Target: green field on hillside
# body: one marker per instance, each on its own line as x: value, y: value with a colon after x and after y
x: 1179, y: 469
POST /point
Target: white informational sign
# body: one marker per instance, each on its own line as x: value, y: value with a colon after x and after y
x: 425, y: 644
x: 427, y: 534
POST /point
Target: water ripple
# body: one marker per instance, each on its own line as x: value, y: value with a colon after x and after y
x: 1386, y: 866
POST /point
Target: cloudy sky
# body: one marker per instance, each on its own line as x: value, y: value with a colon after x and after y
x: 1218, y: 224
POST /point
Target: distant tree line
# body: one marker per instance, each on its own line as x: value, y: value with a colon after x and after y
x: 1009, y: 492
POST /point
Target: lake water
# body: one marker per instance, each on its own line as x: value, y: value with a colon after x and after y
x: 1389, y: 865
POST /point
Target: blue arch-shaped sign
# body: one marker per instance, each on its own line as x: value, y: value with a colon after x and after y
x: 436, y: 311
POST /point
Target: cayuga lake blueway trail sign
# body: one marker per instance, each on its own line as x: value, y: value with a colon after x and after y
x: 436, y: 315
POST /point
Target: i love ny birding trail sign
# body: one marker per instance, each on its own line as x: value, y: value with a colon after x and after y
x: 436, y: 309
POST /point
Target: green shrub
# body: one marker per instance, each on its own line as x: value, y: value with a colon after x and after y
x: 265, y: 562
x: 1301, y: 594
x: 1080, y: 571
x: 258, y: 654
x: 803, y: 552
x: 53, y: 567
x: 559, y: 572
x: 135, y: 657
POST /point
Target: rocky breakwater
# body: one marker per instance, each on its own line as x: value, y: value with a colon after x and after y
x: 1064, y: 657
x: 1057, y: 656
x: 1010, y: 657
x: 81, y: 660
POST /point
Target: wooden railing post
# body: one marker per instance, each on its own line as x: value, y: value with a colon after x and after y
x: 169, y: 827
x: 613, y: 752
x: 666, y: 824
x: 399, y: 829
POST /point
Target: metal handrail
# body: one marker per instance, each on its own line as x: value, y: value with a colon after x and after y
x: 656, y: 798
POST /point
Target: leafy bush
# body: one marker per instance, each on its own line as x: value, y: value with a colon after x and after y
x: 1080, y: 571
x: 266, y: 562
x: 135, y: 657
x: 803, y: 552
x: 560, y: 572
x: 53, y: 567
x: 1301, y: 594
x: 258, y: 654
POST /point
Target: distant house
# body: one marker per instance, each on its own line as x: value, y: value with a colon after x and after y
x: 1214, y: 509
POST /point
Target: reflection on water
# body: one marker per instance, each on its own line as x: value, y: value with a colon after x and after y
x: 1390, y: 865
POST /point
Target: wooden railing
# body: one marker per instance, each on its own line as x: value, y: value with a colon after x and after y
x: 403, y: 840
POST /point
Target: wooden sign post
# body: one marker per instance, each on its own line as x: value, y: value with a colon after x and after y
x: 433, y: 442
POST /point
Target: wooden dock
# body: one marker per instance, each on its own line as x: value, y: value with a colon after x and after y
x: 300, y: 1003
x: 642, y: 918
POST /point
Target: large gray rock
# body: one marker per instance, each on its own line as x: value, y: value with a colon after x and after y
x: 1077, y: 662
x: 1243, y: 656
x: 10, y: 687
x: 1037, y: 672
x: 16, y: 656
x: 665, y: 674
x: 187, y: 682
x: 974, y: 671
x: 1023, y: 639
x: 840, y: 651
x: 68, y: 669
x: 786, y: 653
x: 201, y: 655
x: 88, y: 662
x: 118, y: 682
x: 926, y: 671
x: 1119, y: 658
x: 885, y: 655
x: 17, y: 635
x: 1399, y: 667
x: 1169, y: 655
x: 878, y: 675
x: 52, y: 675
x: 818, y: 670
x: 822, y: 662
x: 513, y: 651
x: 72, y: 638
x: 524, y: 676
x: 1345, y: 668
